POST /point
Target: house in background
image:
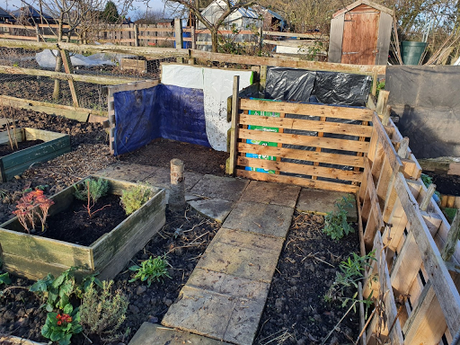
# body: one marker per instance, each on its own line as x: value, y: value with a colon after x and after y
x: 244, y: 19
x: 360, y: 34
x: 31, y: 16
x: 5, y: 17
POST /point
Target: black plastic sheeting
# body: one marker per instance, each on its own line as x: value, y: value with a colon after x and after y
x: 163, y: 111
x: 298, y: 85
x: 426, y: 107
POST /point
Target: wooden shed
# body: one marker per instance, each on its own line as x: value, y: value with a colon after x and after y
x: 360, y: 34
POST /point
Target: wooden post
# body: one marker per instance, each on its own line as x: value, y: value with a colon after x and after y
x: 177, y: 191
x: 386, y: 115
x: 375, y: 79
x: 453, y: 237
x: 235, y: 123
x: 179, y: 38
x: 263, y: 76
x: 69, y: 70
x: 382, y: 101
x: 37, y: 31
x: 136, y: 35
x: 427, y: 198
x: 261, y: 38
x: 193, y: 35
x: 403, y: 150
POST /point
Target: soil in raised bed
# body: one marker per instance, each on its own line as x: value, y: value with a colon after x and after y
x: 296, y: 312
x: 6, y: 149
x: 183, y: 239
x: 446, y: 184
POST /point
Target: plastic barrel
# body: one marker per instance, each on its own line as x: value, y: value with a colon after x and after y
x: 412, y: 52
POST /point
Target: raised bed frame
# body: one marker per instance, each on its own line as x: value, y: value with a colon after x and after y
x: 35, y: 256
x: 55, y: 144
x: 416, y: 293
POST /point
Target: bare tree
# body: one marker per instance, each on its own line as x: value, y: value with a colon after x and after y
x: 226, y: 8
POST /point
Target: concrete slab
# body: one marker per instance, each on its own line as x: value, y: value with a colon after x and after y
x: 242, y: 254
x: 272, y: 220
x: 323, y: 201
x: 217, y: 187
x: 213, y: 208
x: 154, y: 334
x: 271, y: 193
x: 127, y: 172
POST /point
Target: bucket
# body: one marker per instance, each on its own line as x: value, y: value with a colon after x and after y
x: 412, y: 52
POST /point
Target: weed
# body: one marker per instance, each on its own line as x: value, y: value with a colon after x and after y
x: 60, y: 327
x: 90, y: 191
x: 335, y: 222
x: 132, y: 199
x: 103, y: 312
x: 152, y: 270
x: 5, y: 278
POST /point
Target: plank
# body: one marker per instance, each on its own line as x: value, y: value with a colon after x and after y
x: 308, y: 109
x: 331, y: 173
x: 307, y: 125
x: 304, y: 155
x: 385, y: 141
x: 316, y: 184
x: 445, y: 288
x: 369, y: 233
x: 304, y: 140
x: 17, y: 133
x: 235, y: 126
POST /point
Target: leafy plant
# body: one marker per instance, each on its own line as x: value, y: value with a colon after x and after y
x: 335, y: 222
x: 152, y: 270
x: 60, y: 327
x: 33, y: 204
x: 103, y: 312
x: 90, y: 191
x: 351, y: 272
x: 5, y: 278
x: 132, y: 199
x: 380, y: 86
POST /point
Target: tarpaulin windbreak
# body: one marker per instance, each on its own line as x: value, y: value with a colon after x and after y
x: 163, y: 111
x: 298, y: 85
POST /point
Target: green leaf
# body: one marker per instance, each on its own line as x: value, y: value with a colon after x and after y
x: 5, y: 279
x: 68, y: 308
x: 55, y: 335
x: 66, y: 339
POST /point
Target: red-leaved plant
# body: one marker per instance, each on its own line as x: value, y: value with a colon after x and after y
x: 33, y: 204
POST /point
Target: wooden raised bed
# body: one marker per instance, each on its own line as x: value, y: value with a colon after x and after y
x: 55, y: 144
x: 35, y: 256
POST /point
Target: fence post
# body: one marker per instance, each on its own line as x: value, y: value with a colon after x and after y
x: 37, y: 31
x: 261, y: 38
x: 193, y: 36
x: 178, y: 34
x: 69, y: 70
x: 234, y: 131
x: 136, y: 35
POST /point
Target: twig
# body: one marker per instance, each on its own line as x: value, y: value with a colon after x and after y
x: 338, y: 323
x: 365, y: 326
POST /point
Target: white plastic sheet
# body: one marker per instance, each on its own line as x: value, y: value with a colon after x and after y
x: 217, y: 86
x: 47, y: 59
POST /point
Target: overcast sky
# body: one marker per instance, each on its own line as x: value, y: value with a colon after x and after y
x: 139, y: 5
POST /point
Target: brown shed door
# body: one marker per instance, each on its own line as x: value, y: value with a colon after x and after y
x: 360, y: 33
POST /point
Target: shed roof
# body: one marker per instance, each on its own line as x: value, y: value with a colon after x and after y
x: 29, y: 11
x: 5, y: 14
x: 363, y: 2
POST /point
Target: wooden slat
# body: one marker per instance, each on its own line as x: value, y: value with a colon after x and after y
x: 445, y: 289
x: 307, y: 125
x: 304, y: 140
x: 304, y: 155
x: 310, y: 170
x: 388, y: 148
x: 317, y: 184
x: 308, y: 109
x: 370, y: 230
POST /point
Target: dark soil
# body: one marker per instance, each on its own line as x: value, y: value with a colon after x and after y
x: 74, y: 225
x: 446, y: 184
x: 296, y: 311
x: 6, y: 149
x: 183, y: 239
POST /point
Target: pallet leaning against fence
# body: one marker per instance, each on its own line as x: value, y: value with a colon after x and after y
x: 417, y: 291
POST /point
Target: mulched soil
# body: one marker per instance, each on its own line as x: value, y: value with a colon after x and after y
x: 296, y: 312
x: 446, y: 184
x: 6, y: 149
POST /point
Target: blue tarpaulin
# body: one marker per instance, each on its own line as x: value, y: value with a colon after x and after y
x: 163, y: 111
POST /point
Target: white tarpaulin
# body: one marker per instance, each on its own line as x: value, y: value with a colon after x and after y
x: 217, y: 86
x: 47, y: 59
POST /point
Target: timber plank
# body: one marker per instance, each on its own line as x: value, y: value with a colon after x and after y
x: 385, y: 141
x: 304, y: 140
x: 316, y: 184
x: 308, y: 109
x: 321, y: 157
x: 331, y: 173
x: 307, y: 125
x: 444, y: 287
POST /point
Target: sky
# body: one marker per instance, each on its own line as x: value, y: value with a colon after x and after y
x: 139, y: 5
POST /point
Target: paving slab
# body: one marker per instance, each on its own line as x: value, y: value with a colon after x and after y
x: 323, y: 201
x: 271, y: 193
x: 213, y: 208
x: 267, y: 219
x: 242, y: 254
x: 127, y: 172
x: 217, y: 187
x: 154, y: 334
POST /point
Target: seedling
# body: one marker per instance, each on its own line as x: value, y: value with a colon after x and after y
x: 152, y: 270
x: 132, y: 199
x: 90, y: 191
x: 335, y: 222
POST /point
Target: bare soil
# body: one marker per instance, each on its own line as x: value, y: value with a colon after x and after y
x: 6, y: 149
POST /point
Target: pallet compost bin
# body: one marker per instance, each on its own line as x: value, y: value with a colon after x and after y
x: 34, y: 256
x: 55, y: 144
